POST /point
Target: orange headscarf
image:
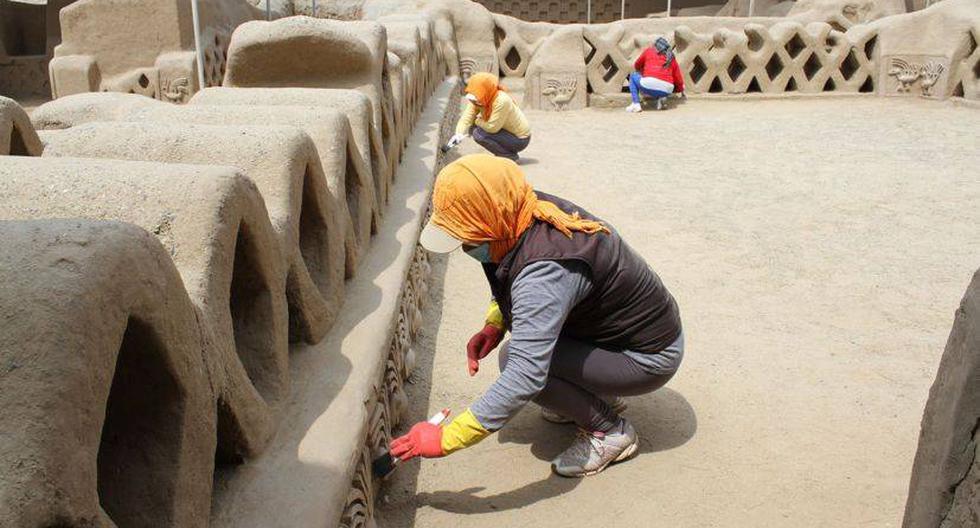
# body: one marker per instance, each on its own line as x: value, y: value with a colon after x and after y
x: 483, y: 198
x: 485, y: 87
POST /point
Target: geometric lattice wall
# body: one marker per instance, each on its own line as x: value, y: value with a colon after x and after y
x: 555, y: 11
x: 787, y: 57
x: 784, y: 57
x: 576, y: 11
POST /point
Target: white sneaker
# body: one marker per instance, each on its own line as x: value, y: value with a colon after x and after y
x: 591, y: 452
x: 634, y: 108
x: 660, y: 103
x: 618, y: 405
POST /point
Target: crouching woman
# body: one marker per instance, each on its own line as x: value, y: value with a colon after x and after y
x: 589, y: 321
x: 493, y: 119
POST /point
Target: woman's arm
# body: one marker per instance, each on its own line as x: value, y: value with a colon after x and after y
x: 678, y: 75
x: 638, y: 64
x: 502, y: 108
x: 542, y: 296
x: 466, y: 119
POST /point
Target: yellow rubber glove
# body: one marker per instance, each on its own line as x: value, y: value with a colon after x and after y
x: 465, y: 430
x: 494, y: 316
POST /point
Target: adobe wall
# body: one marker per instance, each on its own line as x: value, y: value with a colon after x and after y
x: 945, y: 485
x: 577, y: 11
x: 251, y: 226
x: 103, y: 49
x: 28, y: 34
x: 819, y: 50
x: 17, y: 135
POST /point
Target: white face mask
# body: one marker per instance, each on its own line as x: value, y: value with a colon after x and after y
x: 481, y: 252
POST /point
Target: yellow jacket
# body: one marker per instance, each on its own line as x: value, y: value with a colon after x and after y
x: 506, y: 115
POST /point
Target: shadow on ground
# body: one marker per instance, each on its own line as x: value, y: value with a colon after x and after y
x: 664, y: 420
x: 467, y: 502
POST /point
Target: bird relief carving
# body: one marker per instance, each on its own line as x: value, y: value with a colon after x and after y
x: 907, y: 73
x: 560, y: 92
x: 468, y: 66
x: 930, y: 73
x: 176, y: 90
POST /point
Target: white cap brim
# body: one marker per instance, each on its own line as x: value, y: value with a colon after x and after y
x: 437, y: 240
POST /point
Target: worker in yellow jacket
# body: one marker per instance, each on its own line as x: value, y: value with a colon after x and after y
x: 493, y: 119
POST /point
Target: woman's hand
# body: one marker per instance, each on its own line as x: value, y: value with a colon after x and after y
x: 423, y: 439
x: 480, y: 345
x: 455, y: 140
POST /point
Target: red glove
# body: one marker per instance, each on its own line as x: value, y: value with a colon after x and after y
x: 481, y: 344
x: 423, y: 439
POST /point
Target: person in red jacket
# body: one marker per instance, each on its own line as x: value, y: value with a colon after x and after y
x: 657, y: 75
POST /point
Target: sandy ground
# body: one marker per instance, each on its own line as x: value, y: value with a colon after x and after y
x: 818, y: 250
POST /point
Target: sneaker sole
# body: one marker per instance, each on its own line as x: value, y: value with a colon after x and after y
x: 624, y: 456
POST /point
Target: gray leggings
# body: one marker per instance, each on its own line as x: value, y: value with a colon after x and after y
x: 581, y: 372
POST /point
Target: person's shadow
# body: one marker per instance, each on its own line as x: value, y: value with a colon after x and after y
x: 664, y: 420
x: 466, y: 501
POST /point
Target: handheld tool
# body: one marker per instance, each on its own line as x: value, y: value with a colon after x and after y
x: 452, y: 143
x: 386, y: 464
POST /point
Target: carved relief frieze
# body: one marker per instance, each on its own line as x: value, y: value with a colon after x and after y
x: 915, y: 75
x: 388, y: 404
x: 560, y: 92
x: 468, y: 66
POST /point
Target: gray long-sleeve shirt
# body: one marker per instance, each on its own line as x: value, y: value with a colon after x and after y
x: 542, y: 296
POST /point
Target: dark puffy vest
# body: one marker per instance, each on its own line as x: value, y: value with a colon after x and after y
x: 629, y: 308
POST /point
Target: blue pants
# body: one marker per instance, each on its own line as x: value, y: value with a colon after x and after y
x: 636, y: 89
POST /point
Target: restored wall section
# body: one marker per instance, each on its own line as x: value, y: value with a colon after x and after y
x: 264, y: 231
x: 111, y: 45
x: 576, y: 11
x: 108, y: 409
x: 932, y: 52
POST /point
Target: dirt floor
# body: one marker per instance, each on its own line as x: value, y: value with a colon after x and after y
x: 818, y: 250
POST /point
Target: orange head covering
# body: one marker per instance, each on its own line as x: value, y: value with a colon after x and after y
x: 485, y: 87
x: 483, y: 198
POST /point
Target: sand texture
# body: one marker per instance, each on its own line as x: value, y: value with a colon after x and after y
x: 818, y: 250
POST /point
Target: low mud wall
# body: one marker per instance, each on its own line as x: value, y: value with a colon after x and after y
x: 931, y: 53
x: 228, y: 268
